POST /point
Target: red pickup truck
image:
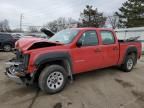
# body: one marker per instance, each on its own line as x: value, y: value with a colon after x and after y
x: 50, y: 62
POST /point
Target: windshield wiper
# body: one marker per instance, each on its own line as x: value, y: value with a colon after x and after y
x: 57, y: 41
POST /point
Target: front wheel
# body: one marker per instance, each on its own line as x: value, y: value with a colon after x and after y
x: 53, y: 79
x: 128, y: 64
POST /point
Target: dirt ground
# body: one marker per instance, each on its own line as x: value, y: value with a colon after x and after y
x: 106, y: 88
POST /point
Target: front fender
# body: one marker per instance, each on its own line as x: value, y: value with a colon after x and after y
x: 52, y: 56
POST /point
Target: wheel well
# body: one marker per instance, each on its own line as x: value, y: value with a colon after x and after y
x: 7, y: 44
x: 134, y: 55
x: 132, y: 52
x: 55, y: 62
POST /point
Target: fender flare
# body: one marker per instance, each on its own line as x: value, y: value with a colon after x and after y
x: 53, y: 56
x: 130, y: 49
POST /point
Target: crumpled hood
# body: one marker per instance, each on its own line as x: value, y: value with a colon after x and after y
x: 30, y: 43
x: 26, y: 41
x: 33, y: 42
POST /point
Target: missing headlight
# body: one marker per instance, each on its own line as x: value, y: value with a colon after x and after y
x: 26, y: 60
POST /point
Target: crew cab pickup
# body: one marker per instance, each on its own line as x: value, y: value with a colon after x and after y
x: 71, y: 51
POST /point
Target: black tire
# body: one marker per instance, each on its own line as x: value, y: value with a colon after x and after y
x: 46, y: 79
x: 129, y: 63
x: 134, y: 56
x: 7, y: 47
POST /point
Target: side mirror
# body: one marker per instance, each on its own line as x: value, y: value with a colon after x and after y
x: 79, y: 43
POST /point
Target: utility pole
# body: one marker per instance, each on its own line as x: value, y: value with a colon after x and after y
x: 21, y: 19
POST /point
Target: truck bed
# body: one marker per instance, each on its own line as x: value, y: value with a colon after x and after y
x: 124, y: 45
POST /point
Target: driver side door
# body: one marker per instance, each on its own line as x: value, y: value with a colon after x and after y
x: 87, y: 57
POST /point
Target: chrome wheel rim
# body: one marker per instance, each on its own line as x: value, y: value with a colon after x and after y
x: 130, y: 64
x: 55, y: 80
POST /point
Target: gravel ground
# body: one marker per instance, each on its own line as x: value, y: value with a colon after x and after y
x: 106, y: 88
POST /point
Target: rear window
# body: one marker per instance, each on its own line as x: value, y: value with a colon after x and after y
x: 107, y: 37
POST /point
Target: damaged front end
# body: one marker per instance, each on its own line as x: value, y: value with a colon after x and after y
x: 16, y: 68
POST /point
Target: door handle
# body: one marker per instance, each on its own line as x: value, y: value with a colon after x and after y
x: 115, y: 48
x: 97, y: 50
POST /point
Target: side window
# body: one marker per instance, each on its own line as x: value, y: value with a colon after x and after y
x: 89, y: 38
x: 107, y: 37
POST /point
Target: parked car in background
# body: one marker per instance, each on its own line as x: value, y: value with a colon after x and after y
x: 45, y: 33
x: 7, y: 41
x: 17, y: 35
x: 37, y: 35
x: 32, y: 37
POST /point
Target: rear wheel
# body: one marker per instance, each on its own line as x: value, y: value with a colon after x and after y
x: 7, y: 48
x: 53, y: 79
x: 129, y: 63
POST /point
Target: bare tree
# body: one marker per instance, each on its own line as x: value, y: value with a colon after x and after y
x: 71, y: 23
x: 33, y: 29
x: 114, y: 21
x: 59, y: 24
x: 52, y: 26
x: 4, y: 26
x: 16, y: 30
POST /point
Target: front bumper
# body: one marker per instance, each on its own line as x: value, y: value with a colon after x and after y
x: 13, y: 72
x: 12, y: 76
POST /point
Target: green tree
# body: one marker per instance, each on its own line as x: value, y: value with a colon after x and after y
x: 131, y: 14
x: 91, y: 18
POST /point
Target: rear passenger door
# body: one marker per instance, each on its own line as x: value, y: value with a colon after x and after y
x: 110, y: 48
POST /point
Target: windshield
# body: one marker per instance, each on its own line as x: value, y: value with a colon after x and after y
x: 64, y: 36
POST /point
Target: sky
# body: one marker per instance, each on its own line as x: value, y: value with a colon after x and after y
x: 39, y: 12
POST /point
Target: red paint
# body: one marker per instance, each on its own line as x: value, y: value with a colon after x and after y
x: 83, y: 58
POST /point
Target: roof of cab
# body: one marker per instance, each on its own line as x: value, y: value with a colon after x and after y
x: 93, y: 28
